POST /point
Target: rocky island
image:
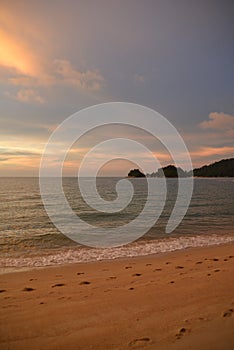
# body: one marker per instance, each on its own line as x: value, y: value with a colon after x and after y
x: 135, y: 173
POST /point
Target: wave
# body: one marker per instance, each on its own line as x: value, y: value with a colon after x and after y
x: 73, y: 255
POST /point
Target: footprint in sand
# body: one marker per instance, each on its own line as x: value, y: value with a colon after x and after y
x: 137, y: 343
x: 111, y: 278
x: 137, y: 274
x: 131, y: 288
x: 2, y: 290
x: 157, y: 270
x: 84, y: 282
x: 28, y: 289
x: 215, y: 259
x: 217, y: 270
x: 182, y: 331
x: 148, y: 264
x: 198, y: 262
x: 58, y: 285
x: 179, y: 267
x: 128, y: 267
x: 80, y: 273
x: 228, y: 313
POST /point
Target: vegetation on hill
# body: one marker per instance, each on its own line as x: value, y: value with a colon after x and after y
x: 135, y: 173
x: 169, y: 171
x: 223, y: 168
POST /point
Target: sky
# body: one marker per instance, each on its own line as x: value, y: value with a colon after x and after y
x: 58, y: 57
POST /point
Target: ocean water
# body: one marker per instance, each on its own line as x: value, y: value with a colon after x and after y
x: 28, y: 238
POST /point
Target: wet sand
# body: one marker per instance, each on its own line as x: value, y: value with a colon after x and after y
x: 179, y: 300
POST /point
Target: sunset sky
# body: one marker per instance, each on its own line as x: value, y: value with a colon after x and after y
x: 57, y: 57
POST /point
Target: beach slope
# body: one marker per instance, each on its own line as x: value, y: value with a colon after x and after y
x: 179, y: 300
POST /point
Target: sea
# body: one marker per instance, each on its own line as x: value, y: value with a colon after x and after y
x: 29, y: 239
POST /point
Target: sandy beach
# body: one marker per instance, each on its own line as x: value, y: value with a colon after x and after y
x: 178, y: 300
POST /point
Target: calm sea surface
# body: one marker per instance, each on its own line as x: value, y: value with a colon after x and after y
x: 28, y: 237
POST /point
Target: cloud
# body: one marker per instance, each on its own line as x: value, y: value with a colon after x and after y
x: 62, y: 72
x: 212, y: 139
x: 21, y: 160
x: 90, y: 80
x: 27, y: 59
x: 22, y: 49
x: 218, y: 121
x: 16, y: 55
x: 13, y: 151
x: 211, y: 151
x: 206, y: 155
x: 27, y: 96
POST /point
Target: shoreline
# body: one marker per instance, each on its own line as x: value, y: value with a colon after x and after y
x: 174, y: 300
x: 69, y: 256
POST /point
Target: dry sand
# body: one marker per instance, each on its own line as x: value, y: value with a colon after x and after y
x: 179, y: 300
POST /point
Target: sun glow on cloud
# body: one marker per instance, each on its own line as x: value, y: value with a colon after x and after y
x: 29, y: 63
x: 14, y: 54
x: 25, y: 161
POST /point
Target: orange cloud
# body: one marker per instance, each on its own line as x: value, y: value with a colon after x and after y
x: 24, y: 161
x: 218, y: 121
x: 16, y: 50
x: 90, y: 80
x: 211, y: 151
x: 13, y: 55
x: 62, y: 72
x: 25, y: 53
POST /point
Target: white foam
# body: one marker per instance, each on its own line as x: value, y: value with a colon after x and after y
x: 81, y: 255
